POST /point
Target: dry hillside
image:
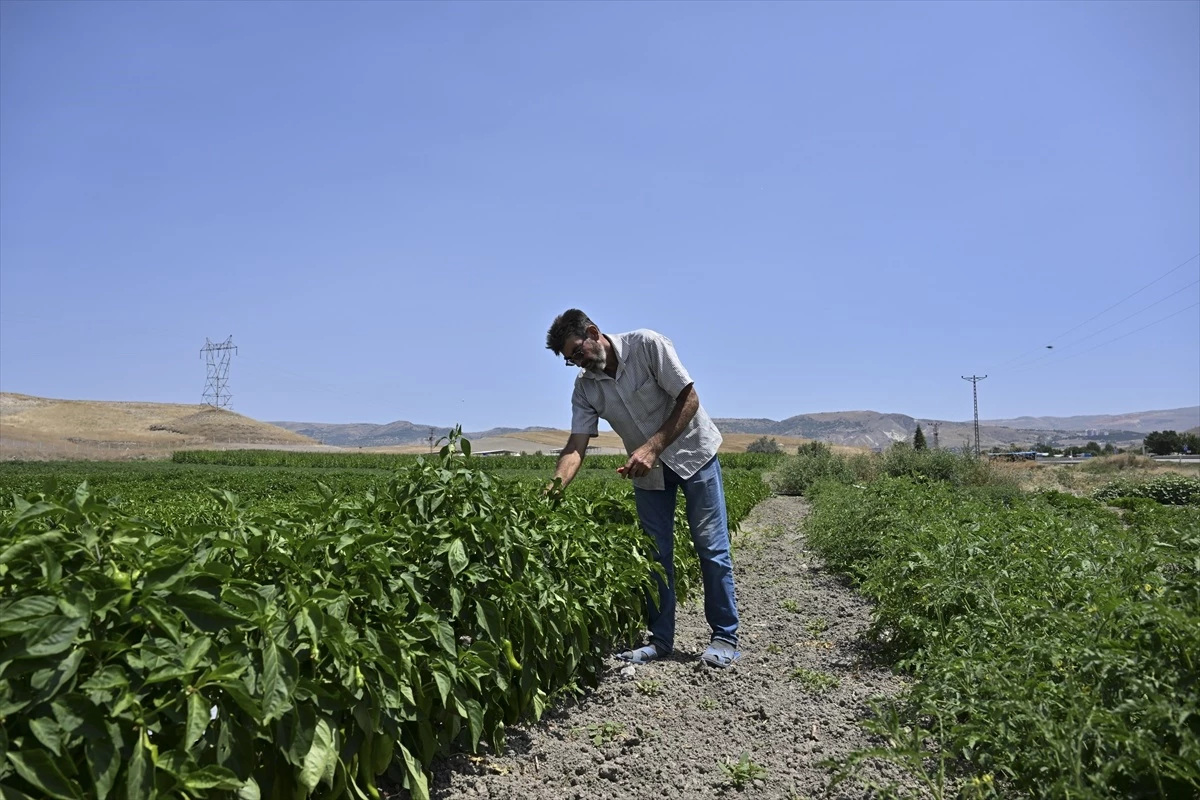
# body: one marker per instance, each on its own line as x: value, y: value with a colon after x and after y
x: 44, y: 428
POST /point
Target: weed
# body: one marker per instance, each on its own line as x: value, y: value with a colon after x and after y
x: 774, y: 531
x: 814, y: 681
x: 603, y: 733
x: 650, y: 687
x: 774, y: 649
x: 790, y: 605
x: 743, y: 772
x: 816, y: 626
x: 707, y: 704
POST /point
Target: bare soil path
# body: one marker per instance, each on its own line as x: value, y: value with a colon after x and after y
x: 664, y: 729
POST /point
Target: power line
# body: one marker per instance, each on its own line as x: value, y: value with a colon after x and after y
x: 1123, y: 335
x: 1106, y: 310
x: 1022, y: 367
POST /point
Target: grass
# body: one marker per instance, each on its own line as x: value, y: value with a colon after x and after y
x: 813, y: 681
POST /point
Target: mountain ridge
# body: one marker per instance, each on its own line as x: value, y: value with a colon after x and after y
x: 851, y: 428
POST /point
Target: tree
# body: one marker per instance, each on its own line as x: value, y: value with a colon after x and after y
x: 1163, y: 443
x: 763, y: 445
x: 918, y: 439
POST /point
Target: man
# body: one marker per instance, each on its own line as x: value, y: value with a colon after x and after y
x: 637, y: 384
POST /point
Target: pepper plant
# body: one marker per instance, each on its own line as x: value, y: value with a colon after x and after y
x: 255, y: 656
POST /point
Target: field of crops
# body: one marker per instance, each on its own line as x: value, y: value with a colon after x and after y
x: 296, y: 630
x: 257, y: 624
x: 1054, y: 639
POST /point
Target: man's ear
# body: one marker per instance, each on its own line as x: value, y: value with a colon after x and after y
x: 592, y: 332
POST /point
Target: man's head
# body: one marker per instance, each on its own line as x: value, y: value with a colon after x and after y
x: 577, y: 339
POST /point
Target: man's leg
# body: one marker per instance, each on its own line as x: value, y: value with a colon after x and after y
x: 656, y: 511
x: 705, y: 498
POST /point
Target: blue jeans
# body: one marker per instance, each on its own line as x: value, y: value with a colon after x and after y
x: 704, y: 499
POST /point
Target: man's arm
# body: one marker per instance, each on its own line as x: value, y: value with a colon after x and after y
x: 642, y: 460
x: 571, y: 457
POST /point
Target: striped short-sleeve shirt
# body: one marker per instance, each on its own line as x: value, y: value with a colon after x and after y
x: 638, y: 401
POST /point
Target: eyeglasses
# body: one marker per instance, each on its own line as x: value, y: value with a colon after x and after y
x: 576, y: 353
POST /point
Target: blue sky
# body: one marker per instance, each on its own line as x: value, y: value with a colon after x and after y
x: 826, y: 206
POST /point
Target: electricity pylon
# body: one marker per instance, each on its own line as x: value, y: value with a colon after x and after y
x: 975, y: 379
x: 215, y: 393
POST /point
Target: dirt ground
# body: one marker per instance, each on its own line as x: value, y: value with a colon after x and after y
x: 664, y: 729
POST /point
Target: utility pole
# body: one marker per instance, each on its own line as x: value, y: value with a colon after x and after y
x: 975, y: 379
x: 217, y: 355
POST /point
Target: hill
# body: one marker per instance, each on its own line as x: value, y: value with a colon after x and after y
x: 1173, y: 419
x: 37, y: 427
x: 869, y: 429
x: 46, y: 428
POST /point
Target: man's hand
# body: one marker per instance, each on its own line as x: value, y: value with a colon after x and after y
x: 640, y: 463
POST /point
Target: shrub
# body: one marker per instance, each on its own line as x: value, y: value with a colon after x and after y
x: 902, y: 461
x: 763, y: 445
x: 814, y: 461
x: 1118, y: 463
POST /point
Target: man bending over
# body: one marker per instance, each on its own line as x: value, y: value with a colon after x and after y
x: 635, y: 382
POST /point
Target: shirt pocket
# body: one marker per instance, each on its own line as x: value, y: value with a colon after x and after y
x: 649, y: 398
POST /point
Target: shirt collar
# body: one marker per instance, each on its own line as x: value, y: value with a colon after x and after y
x: 618, y: 344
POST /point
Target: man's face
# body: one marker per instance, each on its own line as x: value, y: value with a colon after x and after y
x: 586, y: 352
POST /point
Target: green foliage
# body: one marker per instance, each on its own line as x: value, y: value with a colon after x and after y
x: 813, y: 681
x: 763, y: 445
x: 394, y: 461
x: 918, y: 442
x: 816, y: 626
x: 961, y: 469
x: 1175, y: 490
x: 358, y: 635
x: 743, y: 772
x: 1162, y: 443
x: 300, y: 631
x: 1116, y: 463
x: 1052, y: 641
x: 603, y: 733
x: 813, y: 462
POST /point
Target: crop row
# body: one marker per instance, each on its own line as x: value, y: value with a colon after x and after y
x: 181, y: 493
x: 393, y: 461
x: 1053, y: 639
x: 254, y: 653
